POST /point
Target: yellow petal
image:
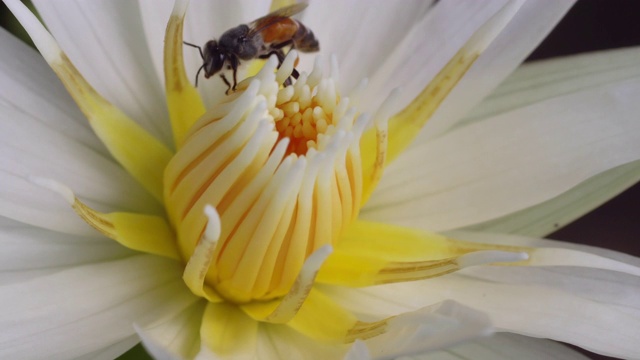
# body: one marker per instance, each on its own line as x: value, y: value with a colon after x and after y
x: 227, y: 331
x: 146, y: 233
x: 184, y: 102
x: 375, y: 253
x: 322, y: 319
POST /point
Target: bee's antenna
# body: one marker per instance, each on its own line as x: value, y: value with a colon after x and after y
x: 198, y: 74
x: 195, y: 46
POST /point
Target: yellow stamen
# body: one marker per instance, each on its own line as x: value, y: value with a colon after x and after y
x: 198, y: 265
x: 281, y: 195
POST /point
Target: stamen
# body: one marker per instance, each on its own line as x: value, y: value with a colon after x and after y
x: 196, y: 269
x: 286, y: 67
x: 282, y: 191
x: 288, y: 307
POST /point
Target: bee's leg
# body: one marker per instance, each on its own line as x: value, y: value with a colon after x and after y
x: 234, y: 62
x: 226, y: 82
x: 235, y: 81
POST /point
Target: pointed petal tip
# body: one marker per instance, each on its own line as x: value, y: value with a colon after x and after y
x: 180, y: 8
x: 43, y: 40
x: 214, y: 224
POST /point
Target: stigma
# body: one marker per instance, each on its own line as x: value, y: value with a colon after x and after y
x: 281, y: 166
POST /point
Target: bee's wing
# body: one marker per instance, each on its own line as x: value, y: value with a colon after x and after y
x: 274, y: 17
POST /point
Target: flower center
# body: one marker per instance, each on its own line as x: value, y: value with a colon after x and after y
x: 304, y: 111
x: 281, y: 166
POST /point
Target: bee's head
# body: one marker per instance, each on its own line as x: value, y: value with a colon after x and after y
x: 213, y: 59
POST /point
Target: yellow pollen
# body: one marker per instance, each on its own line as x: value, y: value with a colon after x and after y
x: 303, y: 111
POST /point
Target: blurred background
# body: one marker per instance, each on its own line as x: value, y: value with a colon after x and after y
x: 591, y: 25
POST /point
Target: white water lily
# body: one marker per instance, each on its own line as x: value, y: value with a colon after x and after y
x: 519, y: 164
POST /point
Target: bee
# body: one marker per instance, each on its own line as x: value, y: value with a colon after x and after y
x: 260, y: 39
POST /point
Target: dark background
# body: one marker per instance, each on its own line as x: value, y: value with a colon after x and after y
x: 591, y: 25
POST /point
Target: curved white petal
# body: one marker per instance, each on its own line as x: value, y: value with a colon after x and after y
x: 505, y: 347
x: 175, y: 338
x: 512, y: 160
x: 549, y: 216
x: 205, y: 20
x: 29, y: 252
x: 112, y: 54
x: 533, y: 22
x: 82, y: 310
x: 113, y: 351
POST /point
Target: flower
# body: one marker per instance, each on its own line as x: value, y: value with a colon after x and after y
x: 78, y: 280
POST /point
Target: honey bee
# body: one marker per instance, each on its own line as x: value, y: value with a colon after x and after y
x: 260, y: 39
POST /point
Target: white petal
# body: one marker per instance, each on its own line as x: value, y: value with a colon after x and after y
x: 547, y: 217
x: 174, y: 338
x: 561, y: 313
x: 30, y: 252
x: 426, y: 48
x: 358, y: 351
x: 571, y: 303
x: 536, y: 310
x: 112, y: 55
x: 87, y: 308
x: 113, y: 351
x: 282, y: 342
x: 511, y: 161
x: 428, y: 329
x: 425, y: 329
x: 506, y: 347
x: 545, y: 79
x: 364, y: 42
x: 540, y: 80
x: 30, y: 85
x: 528, y: 28
x: 42, y: 133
